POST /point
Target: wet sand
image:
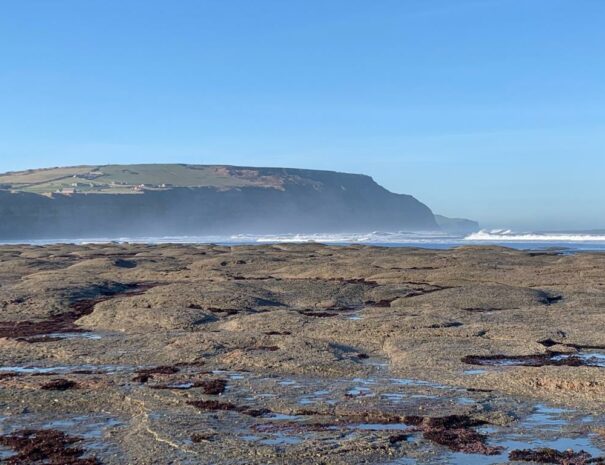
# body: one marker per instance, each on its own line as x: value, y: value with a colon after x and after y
x: 298, y: 354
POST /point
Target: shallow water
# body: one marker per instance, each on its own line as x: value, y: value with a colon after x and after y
x: 68, y: 369
x: 79, y: 335
x: 582, y: 358
x: 539, y: 426
x: 478, y: 371
x: 596, y: 359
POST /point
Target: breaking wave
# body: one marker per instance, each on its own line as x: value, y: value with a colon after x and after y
x: 502, y: 235
x: 435, y: 240
x: 348, y: 238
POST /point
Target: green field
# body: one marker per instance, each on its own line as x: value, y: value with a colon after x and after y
x: 123, y: 179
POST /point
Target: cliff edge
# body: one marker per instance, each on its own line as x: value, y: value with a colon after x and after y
x: 160, y: 200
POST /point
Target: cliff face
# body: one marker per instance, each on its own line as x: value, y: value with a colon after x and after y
x: 292, y: 201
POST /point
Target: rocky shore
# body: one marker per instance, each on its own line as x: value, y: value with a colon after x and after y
x: 300, y: 354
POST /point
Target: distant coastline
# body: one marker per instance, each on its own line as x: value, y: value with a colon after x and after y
x: 204, y: 200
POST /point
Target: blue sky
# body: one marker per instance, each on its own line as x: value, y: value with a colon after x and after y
x: 489, y: 109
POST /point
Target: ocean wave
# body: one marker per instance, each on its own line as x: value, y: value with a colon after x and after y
x: 506, y: 235
x: 402, y: 238
x: 376, y: 237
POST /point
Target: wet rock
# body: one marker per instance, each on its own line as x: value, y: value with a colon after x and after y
x: 320, y: 360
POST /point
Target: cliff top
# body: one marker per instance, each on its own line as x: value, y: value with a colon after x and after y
x: 128, y: 179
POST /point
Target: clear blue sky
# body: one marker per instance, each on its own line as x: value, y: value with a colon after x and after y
x: 490, y: 109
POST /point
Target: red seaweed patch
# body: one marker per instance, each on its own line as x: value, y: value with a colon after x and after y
x: 145, y: 374
x: 455, y: 432
x: 553, y: 456
x: 213, y: 405
x: 44, y: 447
x: 34, y: 331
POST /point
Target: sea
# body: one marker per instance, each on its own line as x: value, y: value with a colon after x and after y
x: 561, y: 241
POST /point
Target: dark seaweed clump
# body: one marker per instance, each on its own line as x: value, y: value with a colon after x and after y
x: 384, y: 303
x: 59, y: 385
x: 145, y: 374
x: 455, y: 432
x: 213, y: 405
x: 160, y: 370
x: 318, y: 314
x: 142, y: 378
x: 553, y: 456
x: 397, y: 438
x: 44, y: 447
x: 537, y: 360
x: 196, y: 438
x: 211, y: 387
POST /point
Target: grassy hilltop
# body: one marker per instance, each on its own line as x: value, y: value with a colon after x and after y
x: 129, y: 179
